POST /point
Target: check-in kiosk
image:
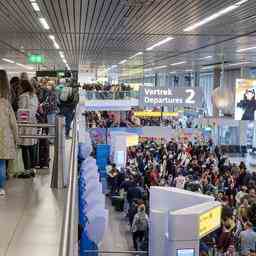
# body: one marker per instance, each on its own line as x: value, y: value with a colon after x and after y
x: 179, y: 219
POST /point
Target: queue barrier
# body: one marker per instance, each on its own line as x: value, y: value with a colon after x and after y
x: 59, y: 168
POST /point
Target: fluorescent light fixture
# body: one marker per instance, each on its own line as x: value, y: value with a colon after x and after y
x: 135, y: 55
x: 24, y: 66
x: 178, y: 63
x: 44, y: 23
x: 65, y: 61
x: 240, y: 63
x: 160, y: 67
x: 56, y: 45
x: 246, y: 49
x: 205, y: 58
x: 35, y: 6
x: 52, y: 37
x: 189, y: 70
x: 215, y: 15
x: 173, y: 72
x: 122, y: 62
x: 160, y: 43
x: 205, y: 68
x: 7, y: 60
x: 62, y: 55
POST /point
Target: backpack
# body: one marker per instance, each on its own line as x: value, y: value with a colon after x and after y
x: 66, y: 94
x: 142, y: 223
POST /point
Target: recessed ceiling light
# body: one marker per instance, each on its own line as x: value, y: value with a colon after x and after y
x: 160, y: 43
x: 205, y: 68
x: 52, y: 37
x: 122, y: 62
x: 246, y: 49
x: 215, y: 15
x: 7, y: 60
x: 135, y: 55
x: 240, y: 63
x: 56, y: 45
x: 160, y: 67
x: 44, y: 23
x: 204, y: 58
x: 173, y: 72
x: 35, y: 6
x: 178, y: 63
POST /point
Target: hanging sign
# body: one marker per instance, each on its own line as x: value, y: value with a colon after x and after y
x: 166, y: 96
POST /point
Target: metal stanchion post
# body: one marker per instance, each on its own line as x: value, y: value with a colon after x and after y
x: 59, y: 163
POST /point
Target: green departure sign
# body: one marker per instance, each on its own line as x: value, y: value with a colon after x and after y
x: 36, y: 59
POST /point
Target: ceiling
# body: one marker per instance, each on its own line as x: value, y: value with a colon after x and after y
x: 105, y: 32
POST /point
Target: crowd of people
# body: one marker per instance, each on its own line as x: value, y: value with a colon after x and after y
x: 200, y: 167
x: 32, y: 101
x: 108, y: 119
x: 106, y: 87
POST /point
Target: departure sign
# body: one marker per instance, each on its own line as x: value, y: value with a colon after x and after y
x: 209, y: 221
x: 36, y: 59
x: 166, y: 96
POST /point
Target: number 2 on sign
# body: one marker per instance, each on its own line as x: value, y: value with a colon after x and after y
x: 190, y: 98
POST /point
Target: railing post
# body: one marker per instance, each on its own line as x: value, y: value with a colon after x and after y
x: 59, y: 163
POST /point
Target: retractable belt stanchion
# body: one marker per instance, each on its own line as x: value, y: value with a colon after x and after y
x: 59, y: 163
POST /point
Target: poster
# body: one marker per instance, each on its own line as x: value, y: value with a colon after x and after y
x: 245, y: 104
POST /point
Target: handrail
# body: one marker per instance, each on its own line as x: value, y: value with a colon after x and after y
x: 69, y: 232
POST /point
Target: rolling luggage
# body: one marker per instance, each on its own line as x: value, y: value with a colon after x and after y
x: 44, y: 153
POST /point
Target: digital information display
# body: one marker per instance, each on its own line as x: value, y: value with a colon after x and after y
x: 132, y: 140
x: 185, y: 252
x: 165, y: 96
x: 209, y: 221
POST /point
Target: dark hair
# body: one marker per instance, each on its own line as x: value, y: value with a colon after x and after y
x: 26, y: 86
x: 4, y: 85
x: 14, y: 80
x: 251, y: 91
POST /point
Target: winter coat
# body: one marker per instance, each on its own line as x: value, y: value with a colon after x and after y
x: 8, y: 131
x: 30, y: 102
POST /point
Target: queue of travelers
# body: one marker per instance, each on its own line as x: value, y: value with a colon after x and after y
x: 106, y: 87
x: 31, y: 101
x: 198, y: 166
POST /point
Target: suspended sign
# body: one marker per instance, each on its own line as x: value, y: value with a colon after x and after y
x: 36, y: 59
x: 165, y: 96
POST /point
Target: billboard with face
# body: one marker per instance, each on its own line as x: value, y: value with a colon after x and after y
x: 245, y: 104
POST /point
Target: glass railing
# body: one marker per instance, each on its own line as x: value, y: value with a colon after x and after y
x: 109, y: 95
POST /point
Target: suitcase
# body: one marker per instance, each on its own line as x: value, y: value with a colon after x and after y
x: 44, y: 153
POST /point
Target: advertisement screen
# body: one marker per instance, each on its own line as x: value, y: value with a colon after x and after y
x: 245, y: 104
x: 185, y: 252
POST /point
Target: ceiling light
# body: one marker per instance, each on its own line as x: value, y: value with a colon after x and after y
x: 35, y: 6
x: 7, y: 60
x: 204, y: 58
x: 173, y: 72
x: 56, y: 46
x: 204, y: 68
x: 240, y: 63
x: 62, y: 55
x: 44, y: 23
x: 246, y: 49
x: 52, y: 37
x: 159, y: 67
x: 215, y: 15
x: 122, y: 62
x: 178, y: 63
x: 160, y: 43
x: 24, y: 66
x: 135, y: 55
x: 189, y: 70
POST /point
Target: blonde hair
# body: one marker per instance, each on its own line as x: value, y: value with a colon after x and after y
x: 4, y: 85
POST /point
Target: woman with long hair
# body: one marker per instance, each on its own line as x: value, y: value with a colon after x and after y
x: 8, y: 129
x: 28, y: 101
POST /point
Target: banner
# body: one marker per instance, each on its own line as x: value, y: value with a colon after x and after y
x: 165, y: 96
x: 245, y: 104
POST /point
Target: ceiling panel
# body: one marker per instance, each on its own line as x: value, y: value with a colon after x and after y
x: 104, y: 32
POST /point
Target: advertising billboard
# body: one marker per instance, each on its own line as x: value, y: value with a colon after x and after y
x: 245, y: 103
x: 166, y: 96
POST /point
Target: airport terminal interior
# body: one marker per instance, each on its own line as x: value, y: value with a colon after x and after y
x: 128, y: 127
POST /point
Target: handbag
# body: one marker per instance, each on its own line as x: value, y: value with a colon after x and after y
x: 16, y: 166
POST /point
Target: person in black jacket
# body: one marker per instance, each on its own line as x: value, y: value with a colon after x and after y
x: 248, y: 104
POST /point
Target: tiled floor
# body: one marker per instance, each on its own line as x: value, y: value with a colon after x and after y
x: 118, y: 235
x: 31, y: 217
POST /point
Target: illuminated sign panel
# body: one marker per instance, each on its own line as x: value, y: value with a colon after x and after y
x: 132, y: 140
x: 209, y: 221
x: 154, y: 114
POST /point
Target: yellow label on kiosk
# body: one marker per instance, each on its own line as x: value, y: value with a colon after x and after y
x: 209, y: 221
x: 132, y: 140
x: 155, y: 114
